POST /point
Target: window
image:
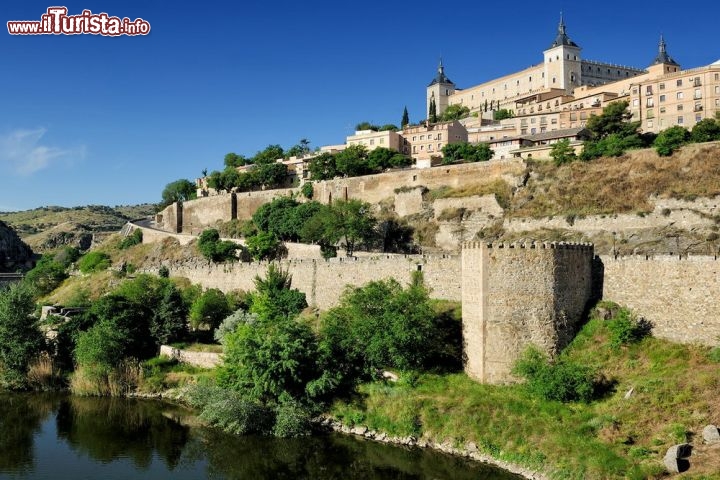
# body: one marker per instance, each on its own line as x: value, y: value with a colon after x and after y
x: 439, y: 146
x: 662, y: 98
x: 650, y: 113
x: 553, y: 121
x: 422, y: 137
x: 679, y: 108
x: 680, y: 95
x: 662, y: 109
x: 636, y: 102
x: 679, y: 82
x: 661, y: 122
x: 662, y: 86
x: 650, y: 102
x: 698, y: 118
x: 648, y: 90
x: 717, y: 76
x: 573, y: 117
x: 414, y: 138
x: 698, y: 107
x: 532, y: 120
x: 634, y: 91
x: 717, y: 89
x: 650, y: 124
x: 698, y: 93
x: 382, y: 140
x: 372, y: 141
x: 680, y: 120
x: 414, y: 148
x: 422, y: 147
x: 553, y: 79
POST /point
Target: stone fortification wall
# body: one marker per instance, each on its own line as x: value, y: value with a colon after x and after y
x: 374, y: 188
x: 679, y: 295
x: 323, y: 281
x: 517, y: 295
x: 204, y: 212
x: 199, y: 359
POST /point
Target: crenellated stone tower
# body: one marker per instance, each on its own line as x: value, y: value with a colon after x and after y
x: 515, y: 295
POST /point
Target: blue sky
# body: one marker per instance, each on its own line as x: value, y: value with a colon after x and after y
x: 88, y: 119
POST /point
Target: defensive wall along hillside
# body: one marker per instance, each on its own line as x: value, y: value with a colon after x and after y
x: 195, y: 215
x: 680, y: 295
x: 324, y: 281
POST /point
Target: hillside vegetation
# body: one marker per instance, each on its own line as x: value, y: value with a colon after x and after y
x: 46, y: 228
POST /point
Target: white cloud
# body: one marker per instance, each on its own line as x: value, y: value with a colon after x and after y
x: 22, y: 151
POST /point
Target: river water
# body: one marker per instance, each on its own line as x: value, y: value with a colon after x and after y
x: 62, y: 437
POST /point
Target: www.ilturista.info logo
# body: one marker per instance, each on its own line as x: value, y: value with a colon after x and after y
x: 57, y: 22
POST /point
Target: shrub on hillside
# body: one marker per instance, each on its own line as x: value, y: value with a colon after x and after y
x: 625, y: 328
x: 94, y: 262
x: 670, y: 140
x: 214, y: 249
x: 561, y: 380
x: 135, y: 238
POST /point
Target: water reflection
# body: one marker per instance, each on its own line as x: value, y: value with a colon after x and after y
x: 58, y: 437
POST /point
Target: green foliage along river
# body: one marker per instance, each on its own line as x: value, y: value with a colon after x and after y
x: 65, y: 437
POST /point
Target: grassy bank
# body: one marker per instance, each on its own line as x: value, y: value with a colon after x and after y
x: 674, y: 396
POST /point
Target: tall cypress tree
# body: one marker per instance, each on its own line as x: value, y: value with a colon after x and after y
x: 405, y: 118
x: 432, y: 114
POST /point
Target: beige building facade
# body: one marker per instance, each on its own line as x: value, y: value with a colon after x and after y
x: 426, y: 141
x: 372, y: 139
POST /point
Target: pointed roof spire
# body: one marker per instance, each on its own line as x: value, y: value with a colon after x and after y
x: 562, y: 37
x: 441, y: 77
x: 662, y: 56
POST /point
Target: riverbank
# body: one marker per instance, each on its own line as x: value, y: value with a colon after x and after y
x: 658, y: 394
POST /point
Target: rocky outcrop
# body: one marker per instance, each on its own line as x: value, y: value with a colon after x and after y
x: 14, y: 253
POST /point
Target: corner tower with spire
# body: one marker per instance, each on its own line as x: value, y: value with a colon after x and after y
x: 439, y: 91
x: 562, y: 62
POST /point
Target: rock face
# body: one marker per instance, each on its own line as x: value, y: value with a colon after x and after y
x: 711, y: 434
x: 14, y: 253
x: 676, y: 458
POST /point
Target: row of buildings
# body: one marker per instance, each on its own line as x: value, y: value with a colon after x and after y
x: 550, y: 101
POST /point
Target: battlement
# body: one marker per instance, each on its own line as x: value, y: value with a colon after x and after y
x: 531, y: 245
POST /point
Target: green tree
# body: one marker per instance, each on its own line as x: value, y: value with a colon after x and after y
x: 274, y: 297
x: 214, y: 249
x: 323, y: 167
x: 302, y: 148
x: 351, y: 223
x: 432, y: 111
x: 178, y: 191
x: 234, y: 160
x: 352, y: 161
x: 454, y: 112
x: 271, y: 154
x: 707, y: 130
x: 94, y: 262
x: 272, y: 360
x: 209, y: 309
x: 502, y: 114
x: 270, y: 175
x: 389, y: 127
x: 405, y: 118
x: 670, y: 140
x: 562, y: 152
x: 455, y: 152
x: 169, y: 322
x: 613, y: 120
x: 381, y: 325
x: 46, y: 276
x: 101, y: 347
x: 366, y: 126
x: 307, y: 190
x: 20, y: 338
x: 263, y: 246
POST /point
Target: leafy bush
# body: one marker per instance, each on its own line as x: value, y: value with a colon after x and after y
x: 626, y: 328
x: 20, y: 338
x: 94, y: 262
x: 714, y: 355
x: 670, y: 140
x: 231, y: 322
x: 263, y: 246
x: 307, y: 190
x: 229, y: 410
x: 292, y: 420
x: 135, y: 238
x: 213, y: 248
x: 274, y: 298
x: 47, y: 275
x: 562, y: 380
x: 209, y: 309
